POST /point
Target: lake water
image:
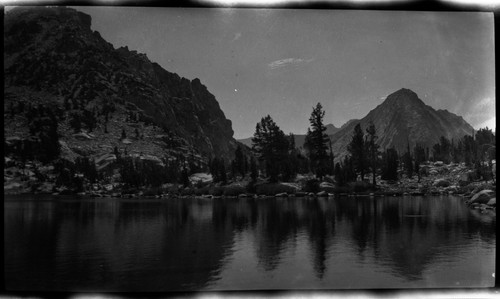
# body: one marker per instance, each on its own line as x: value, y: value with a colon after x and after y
x: 75, y: 244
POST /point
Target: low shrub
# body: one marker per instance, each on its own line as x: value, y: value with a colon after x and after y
x: 463, y: 183
x: 202, y: 190
x: 312, y: 186
x: 360, y: 186
x: 251, y: 187
x: 330, y: 188
x: 341, y: 189
x: 130, y: 190
x: 442, y: 183
x: 171, y: 189
x: 187, y: 191
x: 233, y: 190
x: 152, y: 191
x: 329, y: 179
x: 216, y: 191
x: 273, y: 189
x: 425, y: 189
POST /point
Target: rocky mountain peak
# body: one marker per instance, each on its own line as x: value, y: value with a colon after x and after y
x: 331, y: 129
x: 403, y: 98
x: 403, y: 118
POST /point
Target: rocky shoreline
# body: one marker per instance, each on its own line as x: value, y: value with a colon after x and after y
x: 435, y: 179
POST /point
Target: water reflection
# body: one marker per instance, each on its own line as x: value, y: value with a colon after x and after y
x: 189, y: 244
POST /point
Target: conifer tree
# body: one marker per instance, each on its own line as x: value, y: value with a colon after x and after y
x: 247, y: 167
x: 116, y: 152
x: 331, y: 159
x: 408, y: 163
x: 469, y: 150
x: 75, y: 122
x: 184, y: 179
x: 270, y: 145
x: 124, y: 134
x: 372, y: 149
x: 222, y: 172
x: 253, y: 169
x: 89, y: 120
x: 357, y: 150
x: 239, y: 161
x: 215, y: 169
x: 419, y: 157
x: 67, y: 105
x: 317, y: 142
x: 291, y: 142
x: 390, y: 165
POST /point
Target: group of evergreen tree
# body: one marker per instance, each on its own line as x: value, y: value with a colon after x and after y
x: 239, y: 166
x: 43, y: 125
x: 475, y: 151
x: 218, y: 170
x: 365, y: 157
x: 136, y: 172
x: 390, y: 164
x: 47, y: 147
x: 75, y: 175
x: 278, y: 158
x: 43, y: 142
x: 87, y: 168
x: 274, y: 153
x: 344, y: 171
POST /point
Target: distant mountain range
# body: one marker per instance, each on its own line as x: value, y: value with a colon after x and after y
x: 401, y: 119
x: 53, y: 60
x: 299, y: 138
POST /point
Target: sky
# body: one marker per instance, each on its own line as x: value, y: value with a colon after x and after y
x: 282, y: 62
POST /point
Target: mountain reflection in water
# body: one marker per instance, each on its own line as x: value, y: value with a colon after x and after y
x: 199, y: 244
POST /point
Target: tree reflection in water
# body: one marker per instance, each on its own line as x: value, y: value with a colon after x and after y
x: 185, y: 244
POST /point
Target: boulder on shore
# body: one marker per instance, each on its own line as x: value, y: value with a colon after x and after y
x: 482, y: 197
x: 322, y: 194
x: 441, y: 183
x: 326, y: 185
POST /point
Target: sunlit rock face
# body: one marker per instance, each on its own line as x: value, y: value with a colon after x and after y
x: 404, y: 118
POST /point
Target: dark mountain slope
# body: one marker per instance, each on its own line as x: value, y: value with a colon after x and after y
x: 51, y: 56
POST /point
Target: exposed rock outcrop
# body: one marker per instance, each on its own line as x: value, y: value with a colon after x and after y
x: 53, y: 57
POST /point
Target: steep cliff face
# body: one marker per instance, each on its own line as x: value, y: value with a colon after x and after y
x: 53, y: 56
x: 403, y: 118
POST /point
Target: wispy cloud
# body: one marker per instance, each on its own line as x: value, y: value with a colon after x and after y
x: 236, y: 36
x: 287, y: 62
x: 485, y: 103
x: 490, y: 123
x: 481, y: 113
